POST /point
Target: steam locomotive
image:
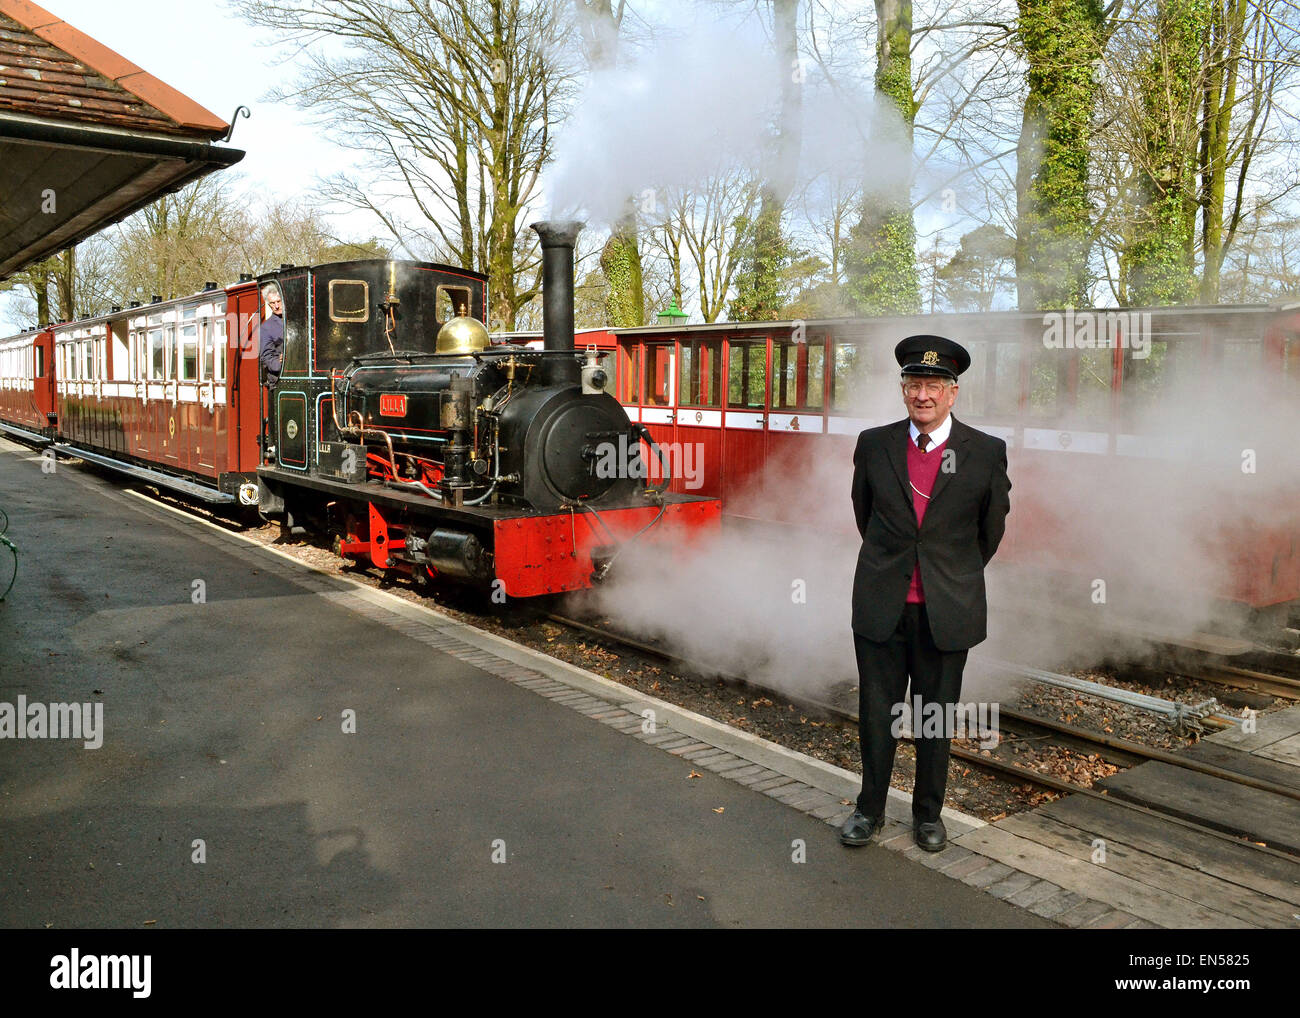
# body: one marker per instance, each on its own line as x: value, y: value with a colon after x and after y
x: 463, y: 460
x: 394, y: 424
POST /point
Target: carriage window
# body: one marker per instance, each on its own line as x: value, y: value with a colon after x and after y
x: 349, y: 300
x: 172, y: 343
x: 629, y: 359
x: 38, y: 353
x: 219, y: 345
x: 189, y: 359
x: 88, y: 354
x: 797, y: 375
x: 452, y: 302
x: 157, y: 360
x: 205, y: 346
x: 850, y: 373
x: 1004, y: 400
x: 658, y: 364
x: 746, y: 374
x: 699, y: 373
x: 1147, y: 376
x: 1048, y: 375
x: 1092, y: 396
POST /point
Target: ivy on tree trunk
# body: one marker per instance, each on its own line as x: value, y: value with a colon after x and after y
x: 1062, y: 42
x: 881, y: 259
x: 620, y: 261
x: 1162, y: 266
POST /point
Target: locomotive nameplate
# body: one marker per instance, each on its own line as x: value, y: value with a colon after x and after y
x: 392, y: 404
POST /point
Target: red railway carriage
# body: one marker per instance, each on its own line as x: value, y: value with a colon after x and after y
x: 27, y: 385
x: 162, y: 392
x: 1079, y: 396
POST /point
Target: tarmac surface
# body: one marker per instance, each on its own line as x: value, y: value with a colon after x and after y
x: 461, y: 798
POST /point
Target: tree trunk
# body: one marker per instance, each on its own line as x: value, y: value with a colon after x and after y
x: 759, y: 297
x: 881, y: 260
x: 1226, y: 35
x: 620, y: 261
x: 1161, y: 254
x: 1062, y: 41
x: 65, y: 279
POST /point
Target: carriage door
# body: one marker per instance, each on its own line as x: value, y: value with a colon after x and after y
x: 659, y: 399
x: 797, y: 417
x: 699, y: 417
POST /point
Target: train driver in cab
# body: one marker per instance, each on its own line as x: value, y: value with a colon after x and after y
x: 271, y: 335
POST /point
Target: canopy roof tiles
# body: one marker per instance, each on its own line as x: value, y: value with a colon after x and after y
x: 86, y: 136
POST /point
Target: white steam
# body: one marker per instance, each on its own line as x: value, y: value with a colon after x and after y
x: 1176, y: 538
x: 699, y: 100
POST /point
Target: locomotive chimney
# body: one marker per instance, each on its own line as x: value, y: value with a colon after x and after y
x: 557, y: 296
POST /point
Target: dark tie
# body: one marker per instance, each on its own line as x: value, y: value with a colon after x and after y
x: 922, y: 441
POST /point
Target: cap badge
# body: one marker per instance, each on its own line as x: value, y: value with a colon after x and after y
x: 931, y: 357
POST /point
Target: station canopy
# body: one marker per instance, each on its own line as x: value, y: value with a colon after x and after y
x: 86, y: 136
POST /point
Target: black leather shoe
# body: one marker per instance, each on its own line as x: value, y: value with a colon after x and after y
x: 931, y: 837
x: 859, y: 829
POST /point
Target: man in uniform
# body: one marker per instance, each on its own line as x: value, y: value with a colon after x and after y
x: 271, y: 334
x: 930, y: 496
x: 270, y: 353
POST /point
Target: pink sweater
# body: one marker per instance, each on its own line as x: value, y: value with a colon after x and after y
x: 922, y: 471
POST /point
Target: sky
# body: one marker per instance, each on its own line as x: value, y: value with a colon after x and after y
x: 207, y: 52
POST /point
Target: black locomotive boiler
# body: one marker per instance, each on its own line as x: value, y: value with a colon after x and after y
x: 399, y: 427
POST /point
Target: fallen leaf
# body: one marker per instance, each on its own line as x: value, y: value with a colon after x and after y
x: 720, y: 809
x: 150, y: 922
x: 694, y: 774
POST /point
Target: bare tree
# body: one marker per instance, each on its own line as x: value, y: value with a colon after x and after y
x: 453, y: 102
x: 713, y: 222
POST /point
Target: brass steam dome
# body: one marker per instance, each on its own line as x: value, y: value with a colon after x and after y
x: 462, y: 335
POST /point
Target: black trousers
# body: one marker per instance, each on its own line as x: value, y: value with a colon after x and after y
x: 883, y: 670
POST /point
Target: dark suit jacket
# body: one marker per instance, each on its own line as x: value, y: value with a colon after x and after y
x: 271, y: 348
x: 963, y: 525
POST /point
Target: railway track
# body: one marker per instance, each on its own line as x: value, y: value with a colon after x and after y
x: 1014, y: 727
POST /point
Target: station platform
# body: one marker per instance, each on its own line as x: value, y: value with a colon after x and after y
x: 295, y: 749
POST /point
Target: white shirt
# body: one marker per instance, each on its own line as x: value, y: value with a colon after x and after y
x: 937, y: 437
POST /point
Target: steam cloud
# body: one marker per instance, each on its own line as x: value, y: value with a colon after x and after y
x: 1175, y: 533
x: 702, y: 98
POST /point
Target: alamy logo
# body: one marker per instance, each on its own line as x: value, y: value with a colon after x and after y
x: 1098, y: 330
x: 75, y: 971
x: 947, y: 721
x: 25, y: 720
x: 685, y: 460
